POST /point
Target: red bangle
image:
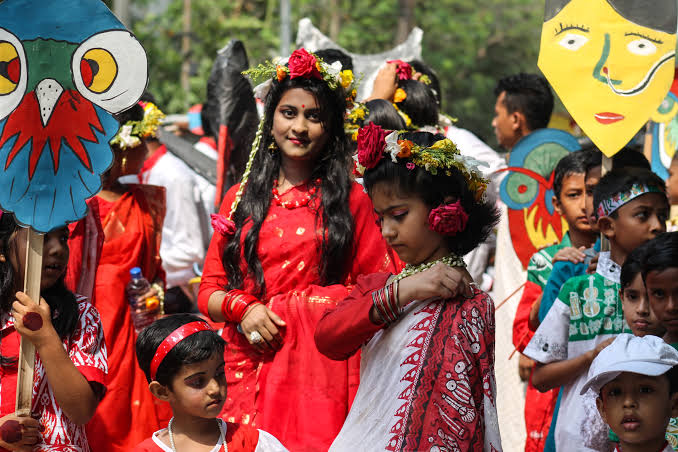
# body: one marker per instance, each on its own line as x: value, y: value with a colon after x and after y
x: 236, y: 304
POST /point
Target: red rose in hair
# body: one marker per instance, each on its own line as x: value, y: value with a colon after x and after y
x: 222, y: 225
x: 371, y: 144
x: 448, y: 219
x: 404, y: 71
x: 303, y: 64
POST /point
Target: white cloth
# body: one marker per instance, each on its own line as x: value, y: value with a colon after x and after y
x: 266, y: 443
x: 182, y: 242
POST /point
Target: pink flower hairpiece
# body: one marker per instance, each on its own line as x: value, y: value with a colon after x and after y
x: 448, y: 219
x: 222, y: 225
x: 404, y: 70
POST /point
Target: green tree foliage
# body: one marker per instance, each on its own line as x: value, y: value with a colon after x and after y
x: 470, y: 43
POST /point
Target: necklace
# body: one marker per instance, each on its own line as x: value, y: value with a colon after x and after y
x: 452, y: 260
x: 299, y: 202
x: 221, y: 440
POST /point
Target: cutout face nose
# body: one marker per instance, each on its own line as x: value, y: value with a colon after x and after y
x: 48, y: 93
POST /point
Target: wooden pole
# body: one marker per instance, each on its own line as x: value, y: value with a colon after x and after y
x: 606, y: 168
x: 32, y: 276
x: 186, y: 52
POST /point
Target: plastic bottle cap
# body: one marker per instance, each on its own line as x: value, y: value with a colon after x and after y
x: 135, y: 273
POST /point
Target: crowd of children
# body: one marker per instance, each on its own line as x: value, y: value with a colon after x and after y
x: 320, y: 329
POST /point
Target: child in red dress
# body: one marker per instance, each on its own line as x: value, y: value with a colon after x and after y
x: 183, y: 359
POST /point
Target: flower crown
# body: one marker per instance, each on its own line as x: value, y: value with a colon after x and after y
x: 374, y: 144
x: 355, y: 117
x: 307, y: 65
x: 132, y: 132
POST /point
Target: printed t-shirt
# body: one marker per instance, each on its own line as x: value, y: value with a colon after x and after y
x: 587, y: 312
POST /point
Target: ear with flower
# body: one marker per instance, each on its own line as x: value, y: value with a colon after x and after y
x: 375, y: 144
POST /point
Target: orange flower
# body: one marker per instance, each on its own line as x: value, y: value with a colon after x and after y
x: 281, y: 73
x: 405, y: 149
x: 399, y: 96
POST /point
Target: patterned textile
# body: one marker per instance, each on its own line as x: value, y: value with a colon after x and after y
x: 586, y: 313
x: 427, y: 381
x: 310, y: 392
x: 87, y: 350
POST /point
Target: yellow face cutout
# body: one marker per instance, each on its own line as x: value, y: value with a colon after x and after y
x: 610, y: 73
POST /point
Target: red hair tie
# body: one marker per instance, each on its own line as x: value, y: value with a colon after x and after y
x: 173, y: 339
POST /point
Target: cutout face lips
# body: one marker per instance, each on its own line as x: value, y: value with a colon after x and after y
x: 610, y: 73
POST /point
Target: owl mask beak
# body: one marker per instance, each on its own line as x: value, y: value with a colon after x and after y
x: 48, y: 93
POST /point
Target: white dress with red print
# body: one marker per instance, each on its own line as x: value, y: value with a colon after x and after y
x: 87, y: 350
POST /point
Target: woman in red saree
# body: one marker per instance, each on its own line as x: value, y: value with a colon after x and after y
x: 299, y: 238
x: 131, y: 219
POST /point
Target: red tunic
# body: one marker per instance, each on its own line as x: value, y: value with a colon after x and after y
x: 132, y: 225
x: 296, y: 394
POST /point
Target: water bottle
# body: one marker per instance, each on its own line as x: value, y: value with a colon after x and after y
x: 143, y: 312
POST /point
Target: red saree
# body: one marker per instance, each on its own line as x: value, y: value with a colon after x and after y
x: 128, y: 413
x: 296, y: 394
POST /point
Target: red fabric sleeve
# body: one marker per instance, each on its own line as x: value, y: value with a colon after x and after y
x: 241, y: 437
x: 147, y: 445
x: 521, y: 330
x: 213, y: 274
x: 343, y: 330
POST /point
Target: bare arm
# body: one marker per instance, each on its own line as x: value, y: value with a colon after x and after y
x: 77, y: 398
x: 559, y: 373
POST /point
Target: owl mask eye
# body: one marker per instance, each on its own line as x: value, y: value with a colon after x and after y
x: 110, y: 70
x: 13, y: 73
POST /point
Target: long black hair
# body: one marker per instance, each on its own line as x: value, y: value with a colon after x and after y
x: 420, y: 104
x: 331, y: 167
x: 62, y: 302
x: 433, y: 189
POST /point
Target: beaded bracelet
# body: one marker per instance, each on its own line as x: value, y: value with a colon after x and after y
x: 385, y: 301
x: 236, y: 304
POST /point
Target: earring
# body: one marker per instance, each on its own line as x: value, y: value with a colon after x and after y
x: 123, y: 164
x: 273, y: 147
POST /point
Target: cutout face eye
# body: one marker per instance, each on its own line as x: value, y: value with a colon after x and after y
x: 110, y: 70
x: 13, y: 72
x: 98, y: 69
x: 573, y: 41
x: 642, y: 47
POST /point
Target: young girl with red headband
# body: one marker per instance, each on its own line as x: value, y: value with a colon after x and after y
x: 290, y: 241
x: 70, y: 360
x: 183, y: 359
x: 427, y: 369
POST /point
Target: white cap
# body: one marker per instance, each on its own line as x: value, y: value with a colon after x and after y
x: 648, y: 355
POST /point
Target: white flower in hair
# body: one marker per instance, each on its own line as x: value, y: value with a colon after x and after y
x: 471, y: 163
x: 126, y: 137
x: 333, y: 69
x: 392, y: 146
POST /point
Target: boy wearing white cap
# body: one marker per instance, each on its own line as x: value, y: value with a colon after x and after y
x: 637, y: 382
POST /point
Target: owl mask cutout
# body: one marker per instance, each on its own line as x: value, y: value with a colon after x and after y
x: 664, y: 129
x: 65, y: 68
x: 611, y: 62
x: 527, y: 191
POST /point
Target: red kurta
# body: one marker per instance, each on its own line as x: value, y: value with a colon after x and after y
x: 296, y: 394
x: 132, y: 225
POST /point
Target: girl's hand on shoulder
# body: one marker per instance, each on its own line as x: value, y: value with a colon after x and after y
x: 260, y: 319
x: 19, y: 432
x: 571, y: 254
x: 33, y: 321
x: 440, y: 281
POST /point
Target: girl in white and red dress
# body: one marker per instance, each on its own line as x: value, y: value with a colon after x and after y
x: 71, y: 362
x: 183, y: 359
x: 427, y: 366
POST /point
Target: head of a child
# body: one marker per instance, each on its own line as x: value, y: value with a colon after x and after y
x: 424, y: 215
x: 420, y: 103
x: 660, y: 272
x: 636, y: 380
x: 569, y: 190
x: 637, y: 310
x: 183, y: 359
x: 625, y: 158
x: 672, y: 181
x: 13, y: 239
x: 631, y: 207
